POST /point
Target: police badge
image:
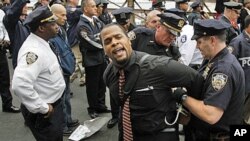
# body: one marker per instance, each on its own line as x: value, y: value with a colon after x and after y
x: 131, y: 35
x: 219, y: 80
x: 31, y: 58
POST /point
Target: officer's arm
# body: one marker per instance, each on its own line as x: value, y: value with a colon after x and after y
x: 207, y: 113
x: 13, y: 13
x: 94, y: 40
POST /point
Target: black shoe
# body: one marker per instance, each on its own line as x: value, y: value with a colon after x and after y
x: 74, y: 123
x: 103, y: 111
x: 112, y: 122
x: 93, y: 115
x: 67, y: 132
x: 11, y: 109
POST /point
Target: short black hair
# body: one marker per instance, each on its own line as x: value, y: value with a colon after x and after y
x: 247, y: 21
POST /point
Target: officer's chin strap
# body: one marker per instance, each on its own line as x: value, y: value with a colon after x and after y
x: 179, y: 110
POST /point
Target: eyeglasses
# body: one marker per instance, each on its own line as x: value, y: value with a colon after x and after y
x: 170, y: 33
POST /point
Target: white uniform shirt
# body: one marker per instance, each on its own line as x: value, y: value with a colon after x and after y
x: 3, y: 32
x: 39, y: 80
x: 187, y: 47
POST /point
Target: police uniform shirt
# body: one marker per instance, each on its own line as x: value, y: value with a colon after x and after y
x: 149, y: 86
x: 38, y: 78
x: 239, y: 46
x: 3, y: 32
x: 187, y: 47
x: 193, y: 16
x: 224, y: 87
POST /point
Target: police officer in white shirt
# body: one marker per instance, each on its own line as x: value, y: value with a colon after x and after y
x: 38, y: 80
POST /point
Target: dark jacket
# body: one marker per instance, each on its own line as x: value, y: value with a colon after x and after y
x: 15, y: 28
x: 149, y: 86
x: 230, y: 32
x: 90, y: 44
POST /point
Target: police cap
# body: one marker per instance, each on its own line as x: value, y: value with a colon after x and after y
x: 233, y: 5
x: 122, y: 15
x: 208, y: 27
x: 39, y: 16
x: 181, y: 1
x: 98, y: 3
x: 158, y: 4
x: 173, y: 22
x: 195, y: 4
x: 175, y: 11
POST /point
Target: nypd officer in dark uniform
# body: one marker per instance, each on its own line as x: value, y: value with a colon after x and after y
x: 182, y: 5
x: 195, y: 15
x: 161, y: 40
x: 122, y: 17
x: 148, y: 82
x: 231, y: 14
x: 222, y: 99
x: 158, y: 5
x: 239, y: 46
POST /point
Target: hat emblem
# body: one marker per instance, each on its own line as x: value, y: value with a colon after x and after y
x: 204, y: 33
x: 181, y: 23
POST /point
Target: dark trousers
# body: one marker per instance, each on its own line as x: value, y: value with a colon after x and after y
x: 161, y: 136
x: 95, y: 87
x: 45, y: 129
x: 114, y: 107
x: 5, y: 80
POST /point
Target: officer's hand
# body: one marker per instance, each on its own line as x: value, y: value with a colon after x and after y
x: 51, y: 110
x: 178, y: 93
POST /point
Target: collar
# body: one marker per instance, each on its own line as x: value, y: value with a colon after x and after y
x: 130, y: 63
x: 88, y: 18
x: 223, y: 52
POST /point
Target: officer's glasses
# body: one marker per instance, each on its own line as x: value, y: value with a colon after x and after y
x: 170, y: 33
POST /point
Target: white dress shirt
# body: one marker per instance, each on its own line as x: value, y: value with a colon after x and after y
x: 41, y: 81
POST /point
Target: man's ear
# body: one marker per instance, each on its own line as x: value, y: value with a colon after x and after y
x: 41, y: 28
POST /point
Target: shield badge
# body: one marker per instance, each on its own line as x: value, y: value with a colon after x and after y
x: 31, y: 58
x: 219, y: 80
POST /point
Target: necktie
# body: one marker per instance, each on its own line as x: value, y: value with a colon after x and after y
x: 126, y: 122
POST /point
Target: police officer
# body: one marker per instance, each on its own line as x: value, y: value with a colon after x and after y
x: 239, y: 46
x: 231, y: 14
x: 105, y: 16
x: 182, y: 5
x: 38, y: 79
x: 190, y: 55
x: 160, y: 41
x: 148, y: 82
x: 158, y: 5
x: 88, y: 30
x: 197, y: 13
x: 222, y: 99
x: 122, y: 17
x: 4, y: 70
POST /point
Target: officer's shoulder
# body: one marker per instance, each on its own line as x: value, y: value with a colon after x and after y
x: 143, y: 30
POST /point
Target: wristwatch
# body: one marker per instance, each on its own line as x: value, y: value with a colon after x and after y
x: 183, y: 98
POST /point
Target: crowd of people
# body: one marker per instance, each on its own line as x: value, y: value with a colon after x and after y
x: 178, y: 60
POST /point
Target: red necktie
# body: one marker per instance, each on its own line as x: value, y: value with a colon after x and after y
x: 126, y: 123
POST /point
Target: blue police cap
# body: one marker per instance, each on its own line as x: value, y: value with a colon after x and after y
x: 173, y: 22
x: 39, y: 16
x: 233, y: 5
x: 208, y: 27
x: 176, y: 11
x: 122, y: 15
x: 181, y: 1
x: 195, y: 4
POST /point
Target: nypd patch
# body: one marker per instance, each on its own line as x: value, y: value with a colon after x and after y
x: 31, y: 58
x: 131, y: 35
x: 183, y: 38
x: 219, y: 80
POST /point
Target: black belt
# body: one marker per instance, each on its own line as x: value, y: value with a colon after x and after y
x: 56, y: 103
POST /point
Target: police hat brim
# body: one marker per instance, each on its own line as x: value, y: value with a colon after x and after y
x: 195, y: 37
x: 174, y: 32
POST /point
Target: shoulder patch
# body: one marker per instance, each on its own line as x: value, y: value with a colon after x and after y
x: 84, y: 34
x: 183, y: 38
x: 219, y: 80
x: 31, y: 58
x: 131, y: 35
x: 230, y: 49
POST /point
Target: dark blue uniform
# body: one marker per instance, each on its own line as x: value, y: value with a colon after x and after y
x: 231, y: 32
x: 94, y: 63
x: 148, y: 83
x: 16, y: 30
